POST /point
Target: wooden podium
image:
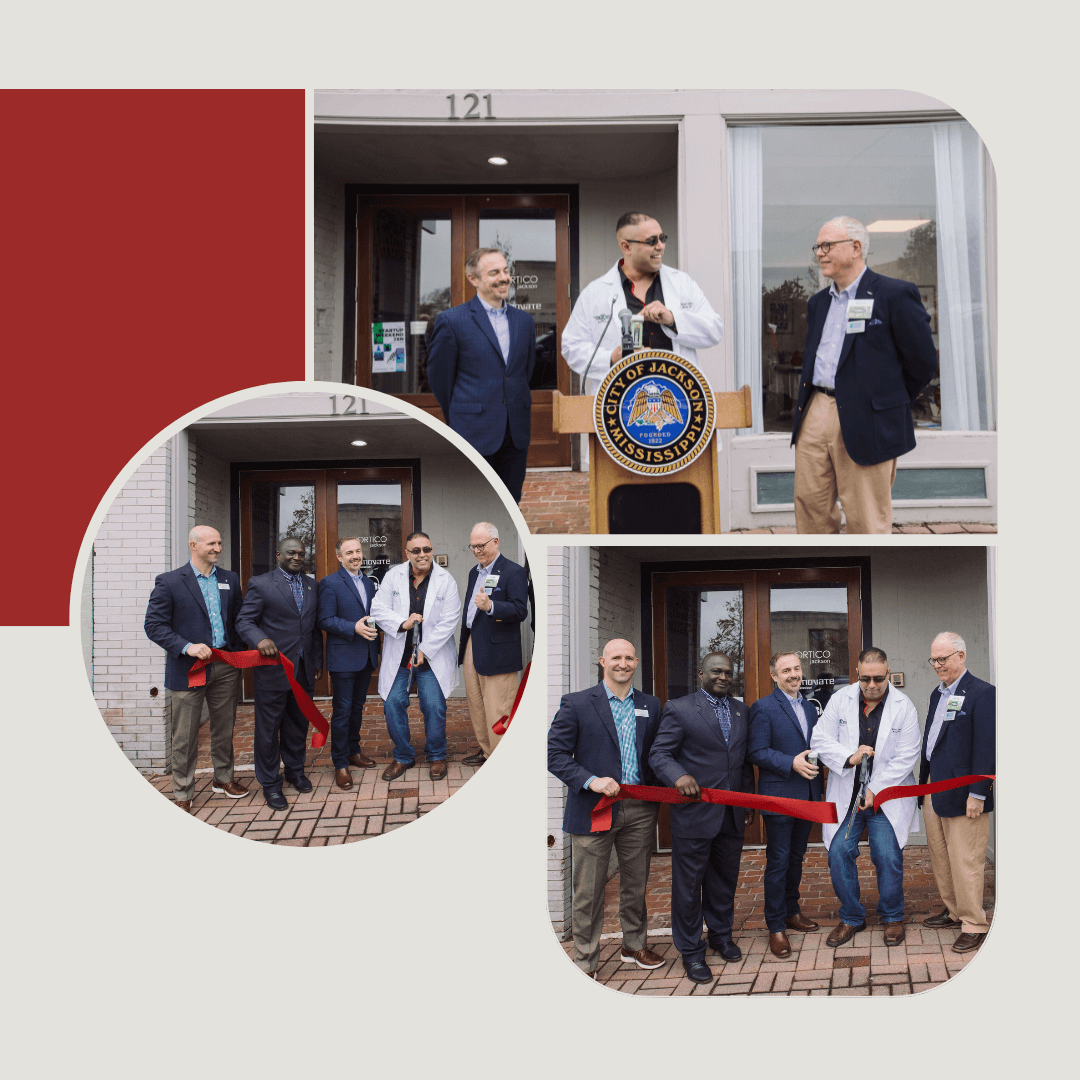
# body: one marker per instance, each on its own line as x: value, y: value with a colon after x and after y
x: 574, y: 415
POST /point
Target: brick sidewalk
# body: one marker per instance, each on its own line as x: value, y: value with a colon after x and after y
x: 863, y: 966
x: 558, y: 502
x: 327, y: 815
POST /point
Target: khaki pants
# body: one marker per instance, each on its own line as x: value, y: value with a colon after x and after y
x: 221, y: 693
x: 490, y: 697
x: 823, y: 471
x: 958, y: 858
x: 633, y: 836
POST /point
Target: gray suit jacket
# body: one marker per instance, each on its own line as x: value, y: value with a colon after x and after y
x: 269, y: 611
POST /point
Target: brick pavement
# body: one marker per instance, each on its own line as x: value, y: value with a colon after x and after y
x: 864, y: 966
x: 558, y: 502
x: 326, y: 815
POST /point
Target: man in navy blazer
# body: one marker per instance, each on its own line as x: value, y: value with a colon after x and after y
x: 601, y: 738
x: 869, y: 354
x: 959, y: 741
x: 352, y: 653
x: 192, y: 609
x: 480, y: 360
x: 780, y: 728
x: 279, y: 615
x: 489, y: 649
x: 702, y: 743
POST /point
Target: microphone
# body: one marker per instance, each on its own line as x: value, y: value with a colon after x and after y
x: 607, y: 323
x: 627, y: 333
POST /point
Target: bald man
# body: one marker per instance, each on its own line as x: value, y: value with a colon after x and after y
x: 600, y: 738
x: 193, y: 609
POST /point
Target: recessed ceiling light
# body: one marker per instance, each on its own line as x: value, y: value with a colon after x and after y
x: 895, y: 226
x: 498, y: 161
x: 359, y: 442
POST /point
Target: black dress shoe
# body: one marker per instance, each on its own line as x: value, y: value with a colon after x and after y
x: 698, y: 971
x: 474, y: 759
x: 728, y: 950
x: 301, y: 783
x: 942, y: 920
x: 275, y: 800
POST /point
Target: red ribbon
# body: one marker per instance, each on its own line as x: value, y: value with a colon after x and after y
x: 500, y: 726
x: 822, y: 812
x: 906, y: 791
x: 252, y: 658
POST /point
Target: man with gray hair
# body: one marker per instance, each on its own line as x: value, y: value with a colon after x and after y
x: 480, y: 359
x: 490, y: 649
x: 869, y: 354
x: 191, y: 610
x: 959, y: 741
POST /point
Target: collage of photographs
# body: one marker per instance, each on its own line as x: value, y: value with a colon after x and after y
x: 636, y: 423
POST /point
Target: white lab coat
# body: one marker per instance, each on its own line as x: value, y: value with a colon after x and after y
x: 896, y: 750
x: 598, y: 307
x: 442, y: 613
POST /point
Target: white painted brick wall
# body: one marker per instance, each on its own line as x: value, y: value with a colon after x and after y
x: 329, y: 274
x: 132, y: 547
x: 208, y: 496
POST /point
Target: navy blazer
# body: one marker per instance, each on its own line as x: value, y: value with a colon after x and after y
x: 881, y: 371
x: 477, y: 392
x: 964, y: 747
x: 269, y: 611
x: 340, y: 606
x: 496, y: 637
x: 583, y: 742
x: 690, y: 741
x: 775, y: 740
x: 177, y: 615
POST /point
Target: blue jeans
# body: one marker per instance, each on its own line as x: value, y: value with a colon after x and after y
x: 432, y: 705
x: 888, y: 859
x: 786, y: 846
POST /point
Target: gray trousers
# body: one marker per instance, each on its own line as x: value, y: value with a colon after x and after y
x: 221, y: 694
x: 633, y: 836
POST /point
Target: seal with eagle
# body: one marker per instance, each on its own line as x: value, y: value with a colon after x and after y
x: 654, y: 405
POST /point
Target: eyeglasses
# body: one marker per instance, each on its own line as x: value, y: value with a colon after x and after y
x: 875, y: 679
x: 480, y: 547
x: 937, y: 661
x: 651, y: 241
x: 419, y: 551
x: 826, y: 246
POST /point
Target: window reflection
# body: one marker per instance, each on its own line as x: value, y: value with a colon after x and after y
x: 701, y: 621
x: 812, y: 621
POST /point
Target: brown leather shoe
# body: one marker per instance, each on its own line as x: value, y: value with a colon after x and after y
x: 343, y: 779
x: 186, y: 806
x: 438, y: 770
x: 644, y: 958
x: 232, y: 789
x: 894, y: 933
x: 967, y: 942
x: 800, y: 922
x: 843, y: 933
x: 395, y: 769
x: 942, y: 921
x: 780, y: 945
x: 361, y: 761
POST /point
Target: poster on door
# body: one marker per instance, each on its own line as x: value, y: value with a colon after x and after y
x: 387, y: 346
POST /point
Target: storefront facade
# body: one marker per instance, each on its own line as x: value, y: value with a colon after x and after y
x: 741, y: 181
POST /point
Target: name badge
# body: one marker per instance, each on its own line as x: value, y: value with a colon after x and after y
x: 856, y: 326
x: 860, y: 309
x: 223, y: 585
x: 949, y: 715
x: 491, y: 581
x: 955, y: 702
x: 641, y: 712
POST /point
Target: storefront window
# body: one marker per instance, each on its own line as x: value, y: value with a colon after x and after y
x: 920, y: 190
x: 813, y: 622
x: 372, y: 512
x: 278, y: 510
x: 701, y: 621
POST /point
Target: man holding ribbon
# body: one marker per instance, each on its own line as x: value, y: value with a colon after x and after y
x: 869, y: 721
x: 601, y: 738
x: 279, y: 615
x: 702, y: 742
x: 191, y: 610
x: 959, y: 741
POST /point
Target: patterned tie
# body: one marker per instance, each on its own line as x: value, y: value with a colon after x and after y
x: 723, y: 714
x: 297, y: 591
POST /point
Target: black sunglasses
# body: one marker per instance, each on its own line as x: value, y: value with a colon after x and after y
x: 873, y: 678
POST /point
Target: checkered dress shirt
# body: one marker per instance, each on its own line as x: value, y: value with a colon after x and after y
x: 626, y: 725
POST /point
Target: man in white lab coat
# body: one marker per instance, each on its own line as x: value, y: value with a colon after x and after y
x: 868, y: 719
x: 677, y: 316
x: 417, y: 607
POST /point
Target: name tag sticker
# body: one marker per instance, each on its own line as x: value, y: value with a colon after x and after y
x: 223, y: 585
x: 641, y: 712
x: 860, y: 309
x: 856, y: 326
x: 949, y: 715
x: 954, y: 703
x: 491, y: 581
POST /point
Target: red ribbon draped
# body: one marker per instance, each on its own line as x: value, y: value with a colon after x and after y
x: 500, y: 726
x: 822, y: 812
x: 252, y: 658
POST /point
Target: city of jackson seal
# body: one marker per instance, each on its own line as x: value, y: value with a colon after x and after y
x: 654, y: 413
